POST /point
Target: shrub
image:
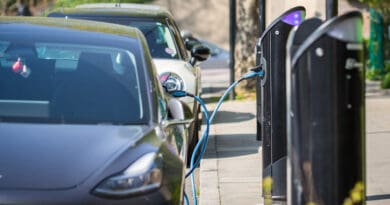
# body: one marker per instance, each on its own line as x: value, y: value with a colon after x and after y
x: 387, y: 67
x: 375, y: 75
x: 386, y: 81
x: 67, y: 3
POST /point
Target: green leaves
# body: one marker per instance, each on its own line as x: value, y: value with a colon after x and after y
x: 383, y: 6
x: 73, y: 3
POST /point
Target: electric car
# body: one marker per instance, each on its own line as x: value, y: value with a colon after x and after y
x: 177, y: 70
x: 83, y: 117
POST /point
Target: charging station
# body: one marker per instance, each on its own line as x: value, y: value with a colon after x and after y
x: 271, y: 107
x: 310, y: 109
x: 326, y: 112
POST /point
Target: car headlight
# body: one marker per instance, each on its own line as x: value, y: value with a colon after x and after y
x: 142, y: 176
x: 171, y: 82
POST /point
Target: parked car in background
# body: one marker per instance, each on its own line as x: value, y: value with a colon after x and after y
x: 83, y: 117
x: 219, y: 57
x: 176, y: 69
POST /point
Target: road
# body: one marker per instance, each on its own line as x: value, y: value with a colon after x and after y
x: 214, y: 82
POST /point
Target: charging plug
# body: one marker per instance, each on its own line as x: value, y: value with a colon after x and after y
x: 253, y: 74
x: 179, y: 93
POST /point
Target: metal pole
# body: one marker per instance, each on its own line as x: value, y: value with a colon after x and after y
x: 331, y: 8
x: 232, y: 31
x: 261, y: 6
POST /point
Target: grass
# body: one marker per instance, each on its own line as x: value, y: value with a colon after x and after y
x: 214, y: 99
x: 241, y: 95
x: 385, y: 84
x: 245, y: 95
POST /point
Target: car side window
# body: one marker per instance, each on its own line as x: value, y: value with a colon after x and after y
x: 179, y: 41
x: 162, y: 105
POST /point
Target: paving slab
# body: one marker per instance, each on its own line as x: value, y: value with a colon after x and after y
x: 233, y: 156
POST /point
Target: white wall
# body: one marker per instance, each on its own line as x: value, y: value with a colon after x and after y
x: 314, y: 8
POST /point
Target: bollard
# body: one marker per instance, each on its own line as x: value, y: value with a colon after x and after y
x: 271, y: 107
x: 326, y: 112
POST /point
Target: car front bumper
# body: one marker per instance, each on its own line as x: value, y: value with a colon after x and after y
x: 77, y: 196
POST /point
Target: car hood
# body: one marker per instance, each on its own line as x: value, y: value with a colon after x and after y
x: 49, y: 157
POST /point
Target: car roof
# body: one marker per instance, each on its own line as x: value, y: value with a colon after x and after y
x: 117, y: 9
x: 75, y: 24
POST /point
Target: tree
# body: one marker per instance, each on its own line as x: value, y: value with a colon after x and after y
x: 383, y: 7
x: 246, y: 36
x: 22, y: 7
x: 73, y: 3
x: 7, y: 6
x: 10, y: 7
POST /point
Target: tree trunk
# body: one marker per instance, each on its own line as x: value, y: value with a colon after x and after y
x: 4, y: 7
x: 32, y: 7
x: 246, y: 36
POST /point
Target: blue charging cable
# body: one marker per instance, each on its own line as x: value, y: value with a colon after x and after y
x: 204, y: 136
x: 186, y: 199
x: 202, y: 144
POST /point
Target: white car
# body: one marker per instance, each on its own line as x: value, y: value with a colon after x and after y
x: 177, y: 70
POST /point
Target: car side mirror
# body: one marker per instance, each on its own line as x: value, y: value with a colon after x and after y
x: 190, y: 43
x: 199, y: 53
x: 180, y: 113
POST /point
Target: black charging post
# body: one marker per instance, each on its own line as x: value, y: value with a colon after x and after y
x: 272, y: 106
x: 326, y: 112
x: 261, y: 27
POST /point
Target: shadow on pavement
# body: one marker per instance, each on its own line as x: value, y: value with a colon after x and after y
x: 378, y: 197
x: 230, y: 154
x: 231, y: 117
x: 233, y: 145
x: 212, y: 89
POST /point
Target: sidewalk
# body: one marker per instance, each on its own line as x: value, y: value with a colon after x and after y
x: 378, y: 150
x: 377, y: 144
x: 230, y: 172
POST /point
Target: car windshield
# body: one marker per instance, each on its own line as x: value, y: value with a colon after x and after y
x: 44, y: 80
x: 160, y: 40
x: 159, y: 36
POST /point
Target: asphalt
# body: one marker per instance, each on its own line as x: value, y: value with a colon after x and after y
x: 230, y: 172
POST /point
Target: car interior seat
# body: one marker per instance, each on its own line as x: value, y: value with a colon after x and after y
x: 94, y: 93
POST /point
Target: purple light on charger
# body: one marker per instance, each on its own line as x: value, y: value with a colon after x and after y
x: 294, y: 18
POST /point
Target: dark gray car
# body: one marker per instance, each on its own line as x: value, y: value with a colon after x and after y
x: 83, y: 118
x: 165, y: 44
